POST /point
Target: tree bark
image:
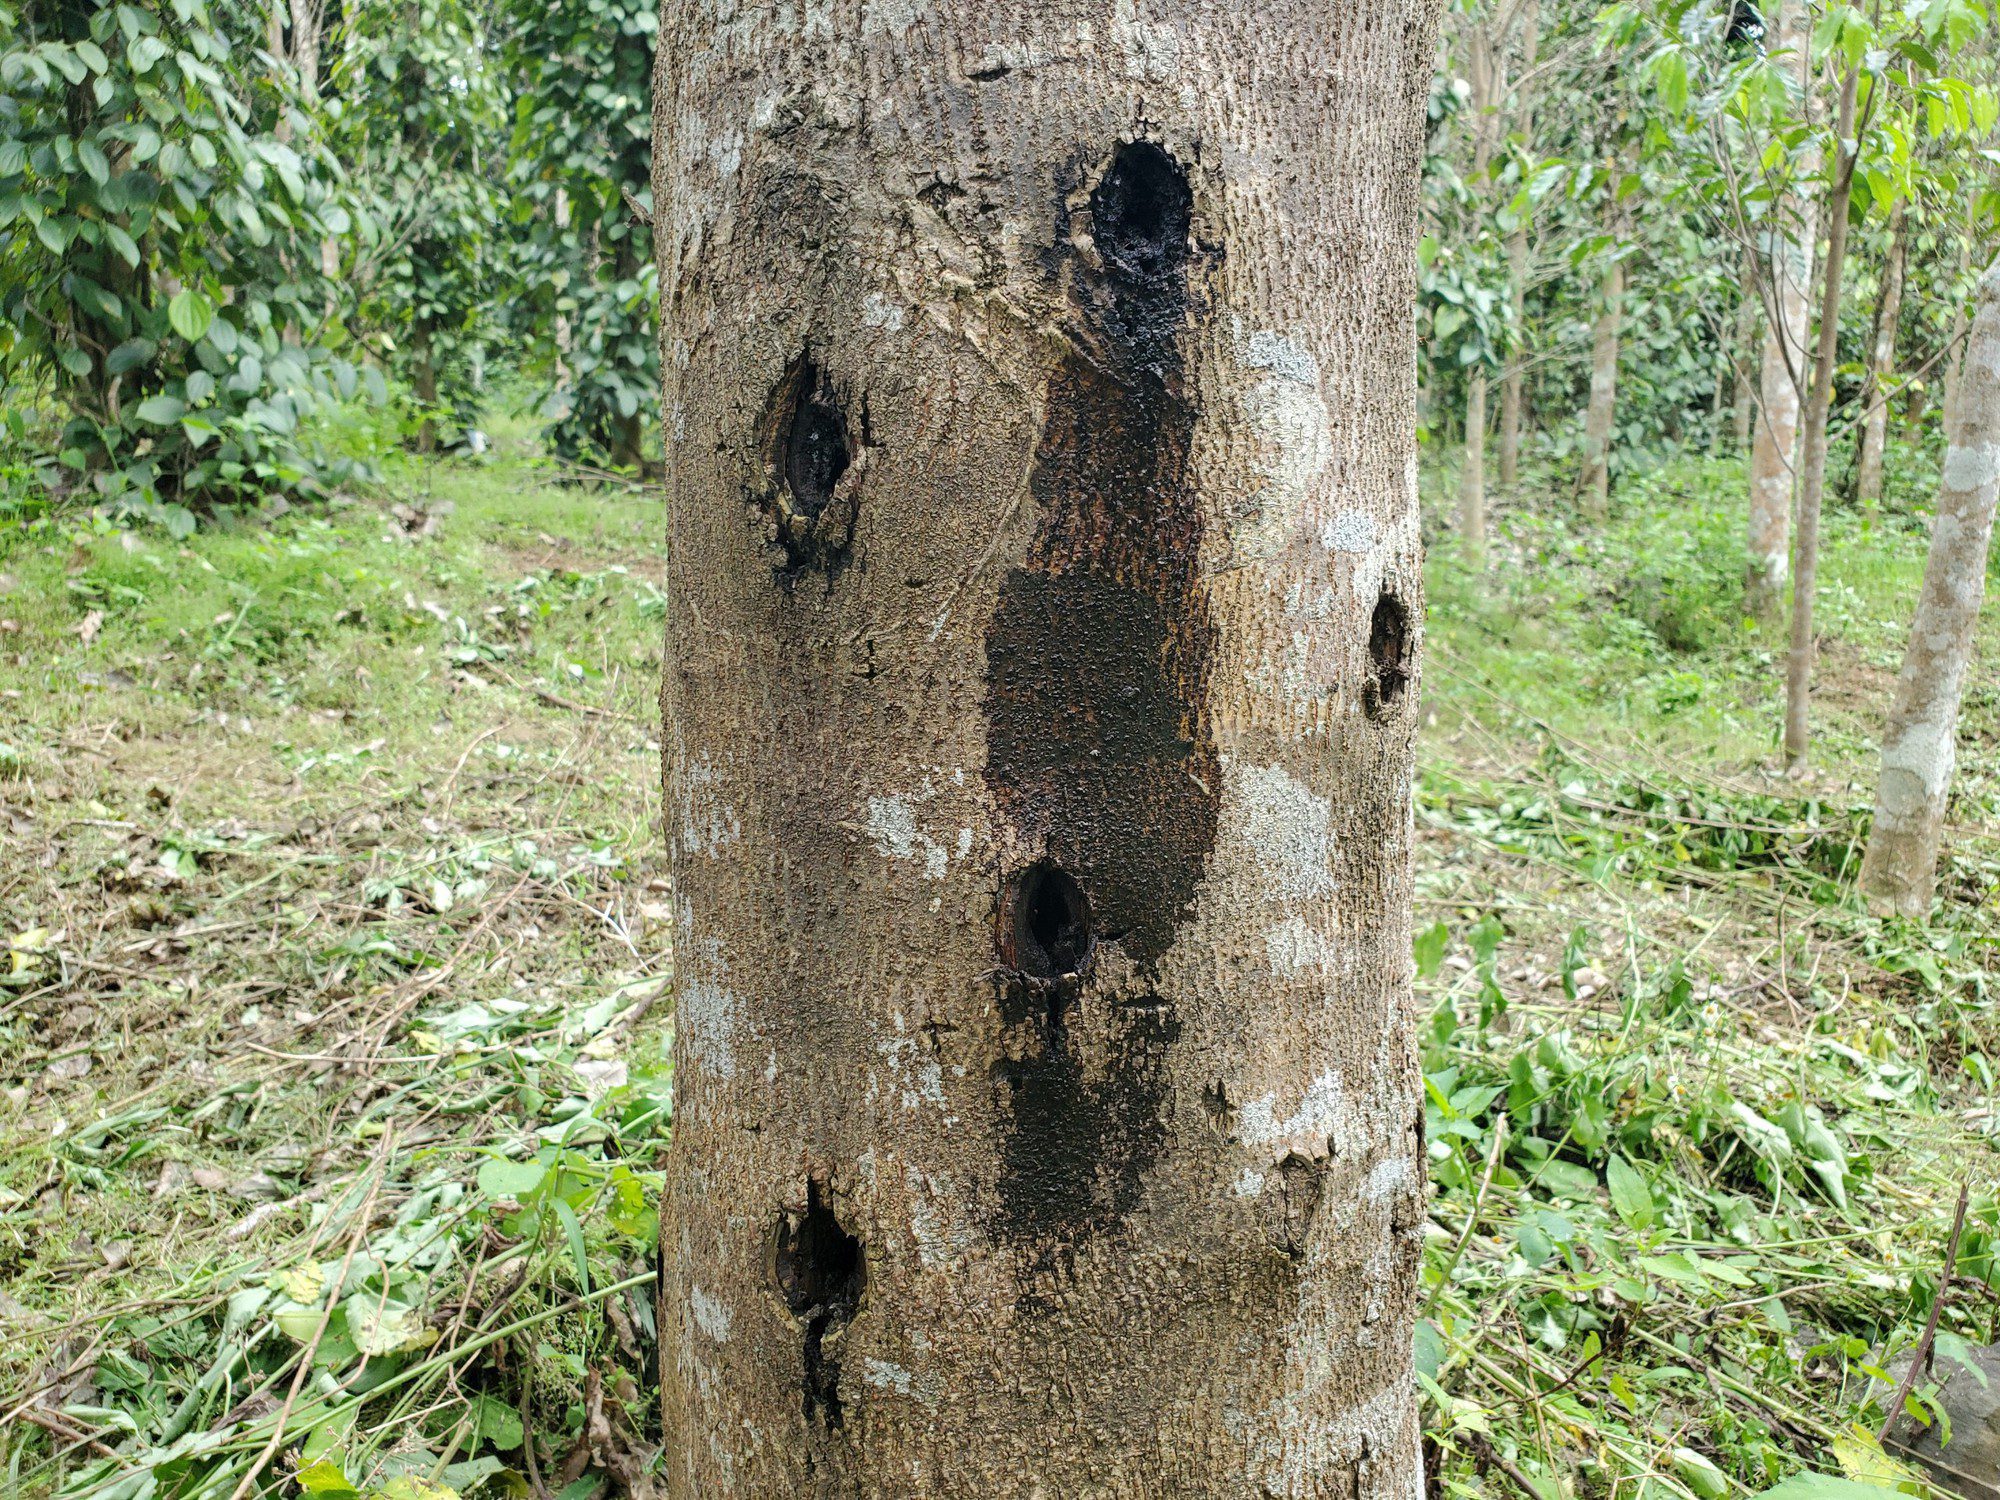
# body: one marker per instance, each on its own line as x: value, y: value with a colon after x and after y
x: 1472, y: 477
x: 1881, y: 365
x: 1038, y: 722
x: 1743, y: 401
x: 1594, y: 480
x: 1954, y: 349
x: 1513, y: 373
x: 1812, y: 462
x: 1782, y: 375
x: 1919, y: 748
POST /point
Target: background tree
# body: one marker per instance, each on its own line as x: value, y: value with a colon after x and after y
x: 1042, y: 961
x: 1920, y: 746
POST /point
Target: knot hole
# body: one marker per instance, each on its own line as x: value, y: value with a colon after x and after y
x: 1141, y: 212
x: 821, y: 1272
x: 1390, y: 649
x: 1045, y: 924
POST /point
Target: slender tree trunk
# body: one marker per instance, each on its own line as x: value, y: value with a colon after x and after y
x: 1812, y: 463
x: 1954, y: 355
x: 1743, y: 397
x: 425, y: 381
x: 1594, y: 480
x: 1920, y: 746
x: 1038, y: 713
x: 565, y: 336
x: 1881, y: 365
x: 1782, y: 374
x: 1513, y: 372
x: 308, y: 16
x: 1472, y: 478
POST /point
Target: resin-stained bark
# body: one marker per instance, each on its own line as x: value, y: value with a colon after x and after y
x: 1038, y: 724
x: 1920, y: 746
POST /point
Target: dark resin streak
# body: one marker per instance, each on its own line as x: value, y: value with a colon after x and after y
x: 1097, y: 749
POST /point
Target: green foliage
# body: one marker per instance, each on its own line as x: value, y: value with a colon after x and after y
x: 158, y: 257
x: 582, y: 151
x: 417, y: 115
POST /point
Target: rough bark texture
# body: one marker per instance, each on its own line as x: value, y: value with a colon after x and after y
x: 1472, y: 477
x: 1881, y: 365
x: 1781, y: 383
x: 1038, y: 724
x: 1812, y: 459
x: 1919, y: 748
x: 1594, y: 479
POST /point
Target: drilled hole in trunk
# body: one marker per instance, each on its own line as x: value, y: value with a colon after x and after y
x: 1140, y: 213
x: 1389, y: 648
x: 814, y: 442
x: 820, y: 1272
x: 1045, y: 924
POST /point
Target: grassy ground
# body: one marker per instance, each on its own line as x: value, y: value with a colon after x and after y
x: 334, y: 1047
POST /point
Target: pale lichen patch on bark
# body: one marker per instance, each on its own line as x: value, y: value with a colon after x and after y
x: 1286, y: 826
x: 1971, y: 467
x: 893, y: 828
x: 1322, y: 1118
x: 708, y: 824
x: 1296, y: 946
x: 1348, y: 531
x: 705, y: 1024
x: 711, y: 1315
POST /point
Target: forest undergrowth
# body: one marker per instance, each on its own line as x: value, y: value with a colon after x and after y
x: 336, y: 1024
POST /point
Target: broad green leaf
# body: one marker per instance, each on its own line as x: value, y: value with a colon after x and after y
x: 1825, y: 1487
x: 190, y: 313
x: 325, y: 1478
x: 1630, y: 1196
x: 496, y: 1423
x: 161, y: 410
x: 499, y: 1178
x: 123, y: 243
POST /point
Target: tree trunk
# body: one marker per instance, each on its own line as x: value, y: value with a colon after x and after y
x: 1472, y: 478
x: 1594, y: 481
x: 1038, y: 713
x: 424, y: 378
x: 1881, y: 365
x: 1743, y: 399
x: 1919, y: 747
x: 1954, y: 349
x: 564, y: 335
x: 1812, y: 463
x: 1782, y: 373
x: 1512, y: 373
x: 308, y: 17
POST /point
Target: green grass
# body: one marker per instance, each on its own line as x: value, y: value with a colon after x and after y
x: 338, y: 1018
x: 335, y: 899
